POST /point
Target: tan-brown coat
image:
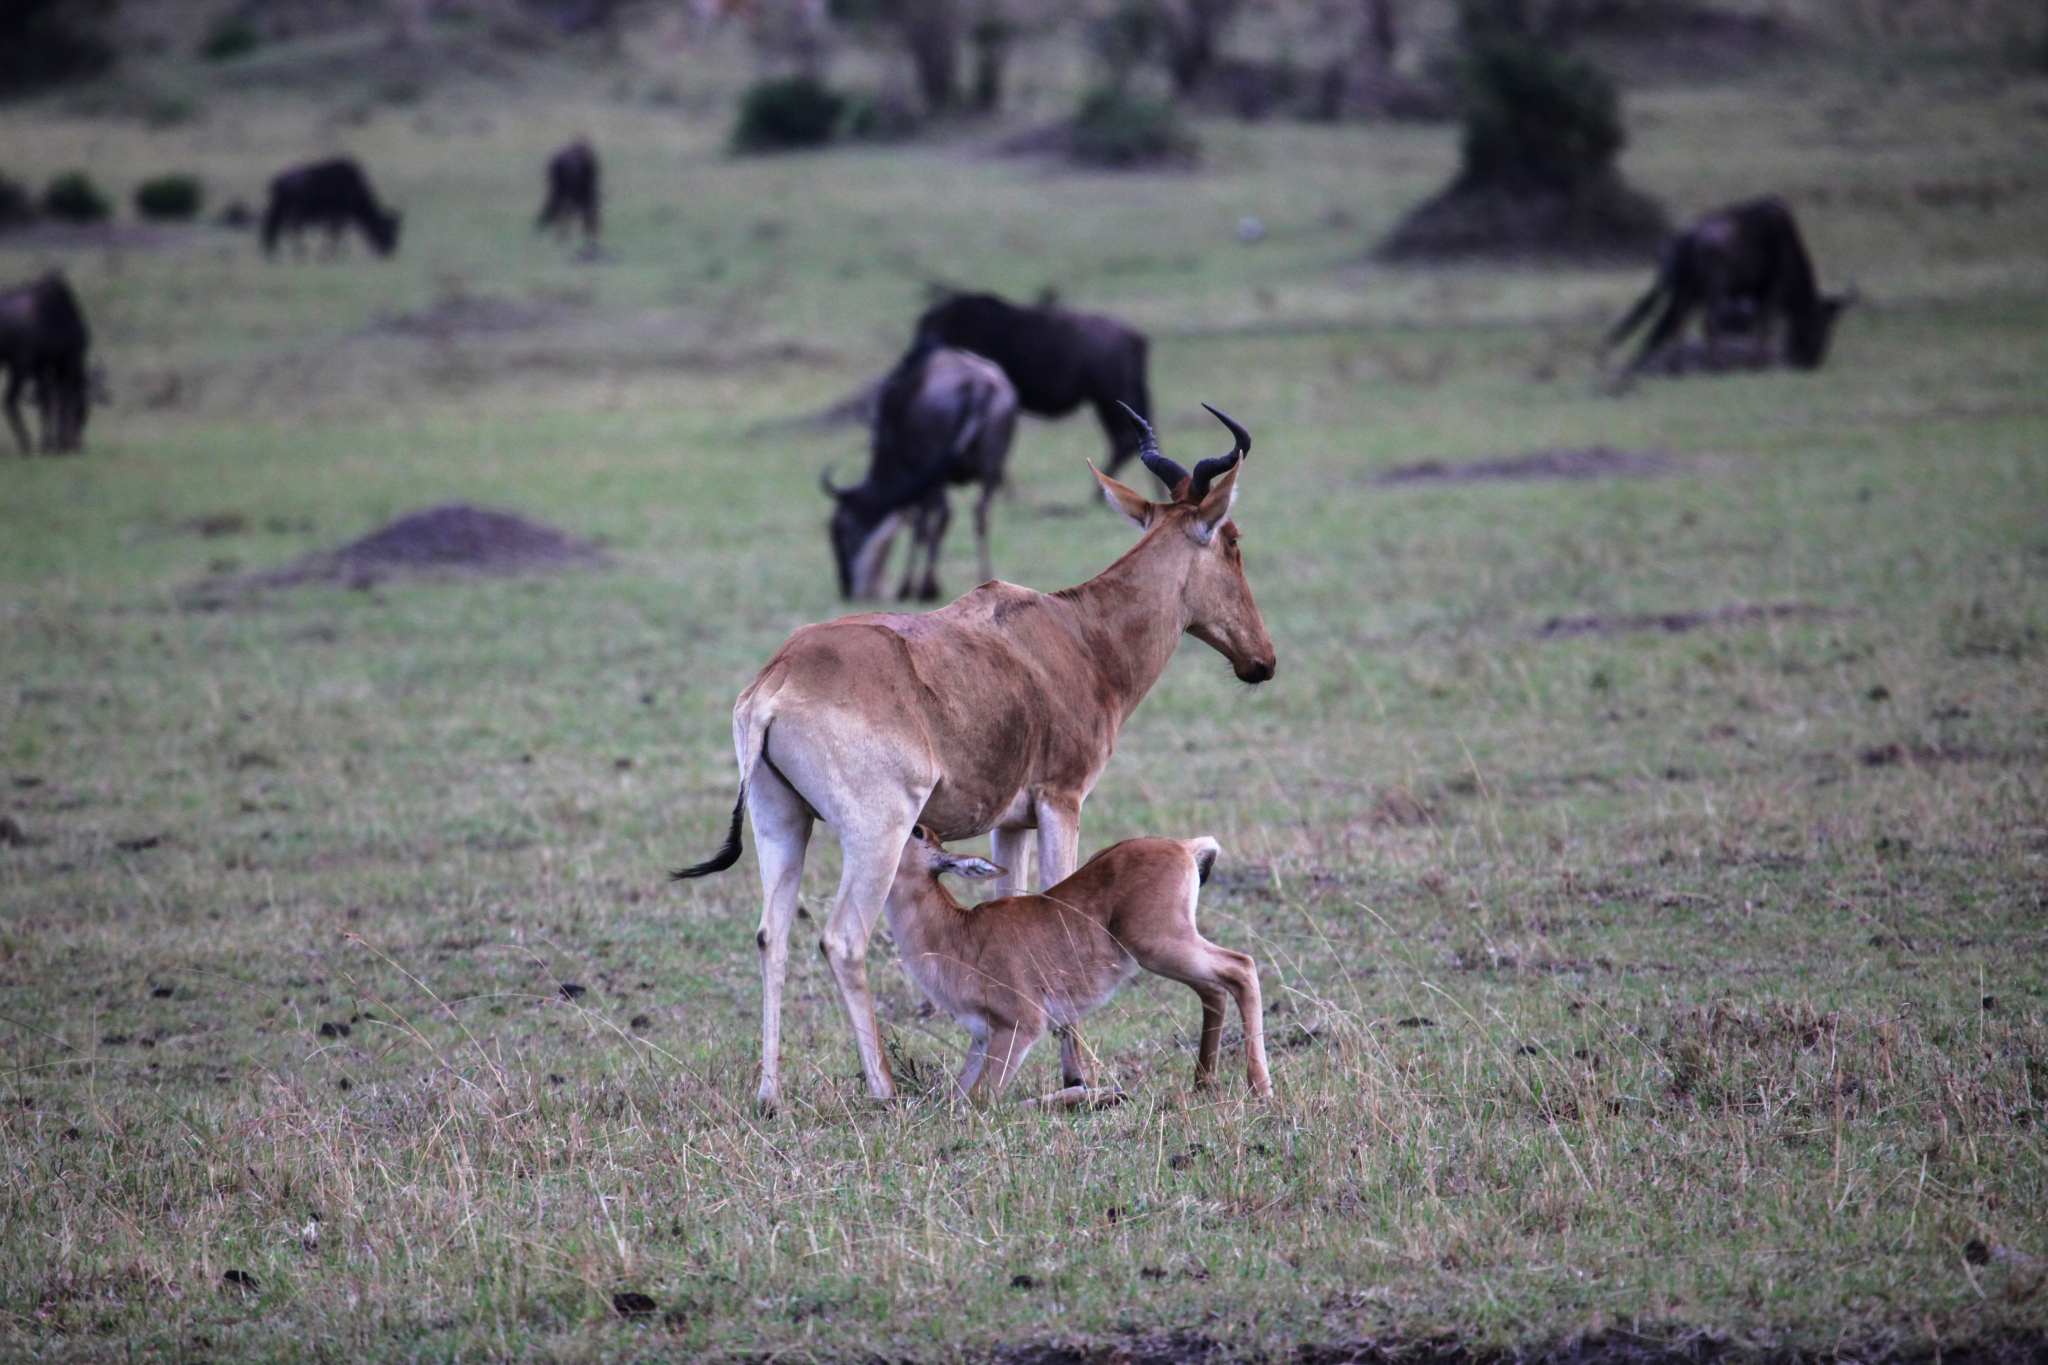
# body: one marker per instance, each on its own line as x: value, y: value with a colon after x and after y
x: 1011, y: 969
x: 994, y: 714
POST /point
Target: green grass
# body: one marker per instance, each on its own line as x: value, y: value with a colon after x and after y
x: 1729, y: 942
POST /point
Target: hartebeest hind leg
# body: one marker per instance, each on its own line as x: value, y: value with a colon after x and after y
x: 782, y: 831
x: 871, y: 843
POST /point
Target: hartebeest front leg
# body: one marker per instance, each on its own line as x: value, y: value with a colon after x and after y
x: 1059, y: 839
x: 1010, y: 849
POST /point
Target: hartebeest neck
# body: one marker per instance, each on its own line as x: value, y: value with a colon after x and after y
x: 1134, y: 613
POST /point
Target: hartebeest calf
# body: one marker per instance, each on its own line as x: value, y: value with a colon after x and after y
x: 1010, y: 969
x: 996, y: 713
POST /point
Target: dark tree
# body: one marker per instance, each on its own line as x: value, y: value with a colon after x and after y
x: 48, y: 42
x: 1538, y: 176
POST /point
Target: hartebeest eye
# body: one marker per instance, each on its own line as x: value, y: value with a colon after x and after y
x: 918, y: 832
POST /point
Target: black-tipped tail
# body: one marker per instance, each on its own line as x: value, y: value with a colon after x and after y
x: 725, y: 857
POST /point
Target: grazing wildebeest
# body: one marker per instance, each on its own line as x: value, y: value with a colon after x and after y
x: 572, y: 192
x: 1057, y: 360
x: 1010, y: 969
x: 994, y: 714
x: 944, y: 417
x: 1742, y: 270
x: 331, y: 195
x: 43, y: 339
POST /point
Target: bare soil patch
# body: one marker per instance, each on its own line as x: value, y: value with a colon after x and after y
x: 452, y: 539
x: 1678, y: 622
x: 1594, y: 462
x: 1610, y: 1348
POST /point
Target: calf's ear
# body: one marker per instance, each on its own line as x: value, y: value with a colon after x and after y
x: 1130, y: 504
x: 1215, y: 508
x: 973, y: 869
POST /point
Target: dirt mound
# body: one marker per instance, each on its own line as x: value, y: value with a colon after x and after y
x: 454, y: 538
x: 1604, y: 223
x: 1594, y: 462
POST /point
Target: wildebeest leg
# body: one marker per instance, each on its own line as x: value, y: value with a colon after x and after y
x: 938, y: 519
x: 983, y: 564
x: 1661, y: 334
x: 16, y: 377
x: 915, y: 517
x: 782, y: 831
x: 1010, y: 849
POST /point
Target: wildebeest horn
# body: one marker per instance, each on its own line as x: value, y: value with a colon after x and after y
x: 1208, y: 470
x: 825, y: 482
x: 1163, y: 469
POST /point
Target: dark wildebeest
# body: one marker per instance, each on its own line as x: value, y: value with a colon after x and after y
x: 43, y: 338
x: 1057, y: 360
x: 331, y: 195
x: 1742, y: 270
x: 944, y: 417
x: 572, y: 192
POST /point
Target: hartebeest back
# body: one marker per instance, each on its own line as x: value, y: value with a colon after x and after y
x: 995, y: 713
x: 1010, y: 969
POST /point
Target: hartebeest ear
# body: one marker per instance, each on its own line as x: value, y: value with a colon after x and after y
x: 1130, y: 504
x: 973, y: 869
x: 1215, y: 508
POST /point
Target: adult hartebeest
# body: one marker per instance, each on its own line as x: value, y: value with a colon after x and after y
x: 1010, y: 969
x: 994, y: 714
x: 1058, y: 360
x: 43, y: 340
x: 1742, y: 270
x: 943, y: 417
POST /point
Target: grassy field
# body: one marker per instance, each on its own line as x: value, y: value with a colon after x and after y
x: 1621, y: 980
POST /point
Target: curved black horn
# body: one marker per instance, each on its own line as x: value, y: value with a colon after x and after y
x: 825, y: 482
x: 1243, y: 437
x: 1163, y: 469
x: 1206, y: 471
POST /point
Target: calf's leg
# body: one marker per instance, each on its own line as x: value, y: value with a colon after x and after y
x: 1217, y: 975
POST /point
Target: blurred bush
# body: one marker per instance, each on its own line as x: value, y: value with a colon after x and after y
x: 1537, y: 117
x: 785, y: 113
x: 234, y: 36
x: 47, y: 42
x: 17, y: 205
x: 169, y: 198
x: 73, y: 198
x: 1119, y: 127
